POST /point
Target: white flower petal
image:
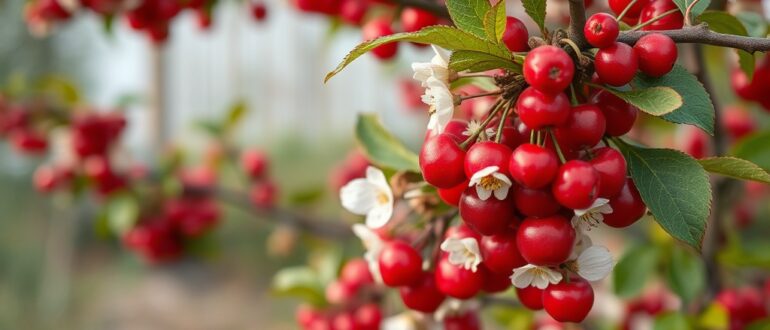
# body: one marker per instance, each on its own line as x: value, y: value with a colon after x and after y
x: 483, y: 193
x: 595, y: 263
x: 537, y: 276
x: 484, y: 172
x: 463, y: 252
x: 379, y: 216
x: 359, y: 196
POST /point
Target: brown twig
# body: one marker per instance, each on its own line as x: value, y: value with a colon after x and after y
x: 577, y: 14
x: 429, y: 5
x: 700, y: 34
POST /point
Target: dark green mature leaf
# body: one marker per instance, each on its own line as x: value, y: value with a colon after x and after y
x: 697, y: 9
x: 656, y: 100
x: 735, y: 168
x: 755, y: 148
x: 675, y: 188
x: 381, y: 147
x: 494, y: 22
x: 474, y: 61
x: 536, y: 10
x: 754, y: 22
x: 302, y: 282
x: 696, y: 108
x: 443, y: 36
x: 722, y: 22
x: 671, y: 321
x: 685, y: 275
x: 468, y: 15
x: 634, y: 268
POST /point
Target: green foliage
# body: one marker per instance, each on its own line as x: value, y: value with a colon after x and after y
x: 122, y: 212
x: 697, y: 9
x: 474, y: 61
x: 381, y: 147
x: 755, y: 149
x: 686, y: 274
x: 735, y: 168
x: 672, y: 321
x: 675, y: 188
x: 536, y: 10
x: 754, y: 22
x: 60, y: 88
x: 722, y: 22
x: 657, y: 100
x: 302, y: 282
x: 696, y: 108
x: 634, y: 269
x: 469, y: 15
x: 494, y: 22
x: 307, y: 196
x: 235, y: 116
x: 714, y: 317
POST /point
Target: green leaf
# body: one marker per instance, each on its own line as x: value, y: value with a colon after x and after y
x: 722, y: 22
x: 235, y: 115
x: 61, y: 88
x: 381, y: 147
x: 685, y: 275
x: 696, y: 107
x: 755, y: 24
x: 735, y: 168
x: 759, y: 325
x: 656, y: 101
x: 443, y: 36
x: 696, y: 10
x: 634, y: 268
x: 307, y: 196
x: 494, y: 22
x: 302, y: 282
x: 675, y: 188
x: 473, y: 61
x: 714, y: 317
x: 671, y: 321
x: 755, y: 149
x: 468, y: 15
x: 536, y: 10
x: 122, y: 211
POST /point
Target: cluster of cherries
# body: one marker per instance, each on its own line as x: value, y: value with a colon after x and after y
x: 753, y: 89
x: 643, y: 11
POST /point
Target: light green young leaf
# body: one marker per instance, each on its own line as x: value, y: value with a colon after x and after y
x: 735, y: 168
x: 697, y: 9
x: 235, y: 115
x: 657, y: 100
x: 685, y: 275
x: 302, y: 282
x: 122, y: 212
x: 755, y: 149
x: 494, y: 22
x: 633, y: 269
x: 671, y: 321
x: 474, y: 61
x: 536, y: 10
x: 381, y: 147
x: 714, y: 317
x: 468, y: 15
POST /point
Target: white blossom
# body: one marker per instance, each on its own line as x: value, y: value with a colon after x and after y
x: 373, y: 245
x: 475, y: 126
x: 370, y: 196
x: 453, y: 306
x: 489, y: 181
x: 593, y: 215
x: 537, y: 276
x: 441, y: 102
x: 582, y: 242
x: 593, y: 264
x: 437, y: 68
x: 403, y: 321
x: 463, y: 252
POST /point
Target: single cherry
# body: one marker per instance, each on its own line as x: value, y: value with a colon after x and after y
x: 535, y: 202
x: 500, y: 253
x: 576, y: 185
x: 584, y: 128
x: 657, y: 54
x: 485, y: 154
x: 457, y: 282
x: 533, y: 166
x: 515, y: 36
x: 531, y: 297
x: 656, y: 8
x: 414, y: 19
x: 376, y: 28
x: 549, y: 69
x: 468, y: 320
x: 555, y: 233
x: 487, y: 217
x: 627, y: 207
x: 611, y: 166
x: 356, y: 273
x: 540, y: 110
x: 442, y: 161
x: 620, y: 115
x: 422, y: 296
x: 601, y: 30
x: 400, y: 264
x: 569, y: 301
x: 616, y: 65
x: 451, y: 196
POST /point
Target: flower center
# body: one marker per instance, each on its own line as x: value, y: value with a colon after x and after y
x: 490, y: 182
x: 592, y: 219
x: 382, y: 198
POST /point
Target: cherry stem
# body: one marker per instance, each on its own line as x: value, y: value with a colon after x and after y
x: 483, y: 126
x: 532, y: 137
x: 688, y: 13
x: 473, y: 75
x: 575, y: 48
x: 654, y: 19
x: 573, y: 95
x: 539, y: 138
x: 463, y: 98
x: 500, y: 126
x: 556, y: 146
x: 625, y: 10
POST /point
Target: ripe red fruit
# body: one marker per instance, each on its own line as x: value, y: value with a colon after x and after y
x: 584, y: 128
x: 535, y: 202
x: 457, y: 282
x: 356, y: 273
x: 601, y: 30
x: 461, y: 231
x: 495, y: 282
x: 738, y: 122
x: 516, y: 36
x: 618, y: 6
x: 259, y: 11
x: 376, y: 28
x: 254, y: 163
x: 620, y: 115
x: 485, y: 154
x: 423, y: 296
x: 554, y: 232
x: 368, y: 317
x: 657, y: 54
x: 539, y: 110
x: 306, y: 315
x: 533, y: 166
x: 656, y: 8
x: 353, y: 11
x: 27, y: 141
x: 155, y: 240
x: 576, y: 185
x: 616, y: 65
x: 451, y: 196
x: 627, y: 207
x: 611, y: 166
x: 442, y: 161
x: 264, y: 194
x: 339, y: 292
x: 549, y: 69
x: 414, y: 19
x: 400, y: 264
x: 693, y: 141
x: 743, y: 86
x: 487, y: 217
x: 531, y: 297
x: 468, y: 320
x: 569, y: 301
x: 500, y: 253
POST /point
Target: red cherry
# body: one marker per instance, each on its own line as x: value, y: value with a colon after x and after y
x: 306, y: 315
x: 620, y: 115
x: 495, y: 282
x: 461, y: 231
x: 353, y: 11
x: 576, y: 185
x: 488, y: 217
x: 339, y: 292
x: 451, y: 196
x: 515, y: 134
x: 155, y: 240
x: 535, y: 202
x: 601, y: 30
x: 627, y: 207
x: 584, y: 128
x: 549, y: 69
x: 611, y: 166
x: 254, y: 163
x: 423, y: 296
x: 485, y: 154
x: 743, y: 86
x: 400, y: 264
x: 657, y: 54
x: 516, y: 36
x: 500, y: 253
x: 368, y: 317
x: 264, y: 194
x: 465, y: 321
x: 259, y: 11
x: 376, y: 28
x: 693, y: 141
x: 539, y: 110
x: 356, y: 273
x: 415, y: 19
x: 533, y: 166
x: 29, y: 142
x: 656, y: 8
x: 618, y: 6
x: 442, y: 161
x: 616, y: 65
x: 457, y: 282
x: 555, y: 232
x: 569, y: 301
x: 531, y: 297
x: 738, y: 122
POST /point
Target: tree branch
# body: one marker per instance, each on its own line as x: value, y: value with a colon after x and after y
x: 577, y: 14
x: 429, y: 5
x: 700, y: 34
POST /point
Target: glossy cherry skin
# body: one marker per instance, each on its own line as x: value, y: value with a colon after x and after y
x: 656, y: 8
x: 339, y: 292
x: 468, y: 320
x: 576, y: 185
x: 549, y: 69
x: 495, y: 282
x: 612, y: 167
x: 356, y: 273
x: 618, y: 6
x: 400, y: 264
x: 414, y: 19
x: 531, y: 297
x: 485, y: 154
x: 422, y: 296
x: 546, y: 241
x: 500, y: 253
x: 457, y: 282
x: 515, y: 37
x: 601, y: 30
x: 442, y: 161
x: 368, y: 317
x: 376, y: 28
x: 616, y: 65
x: 657, y: 54
x: 533, y: 166
x: 569, y: 302
x: 535, y: 202
x: 627, y: 207
x: 451, y: 196
x: 619, y: 115
x: 487, y: 217
x: 540, y: 110
x: 584, y: 128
